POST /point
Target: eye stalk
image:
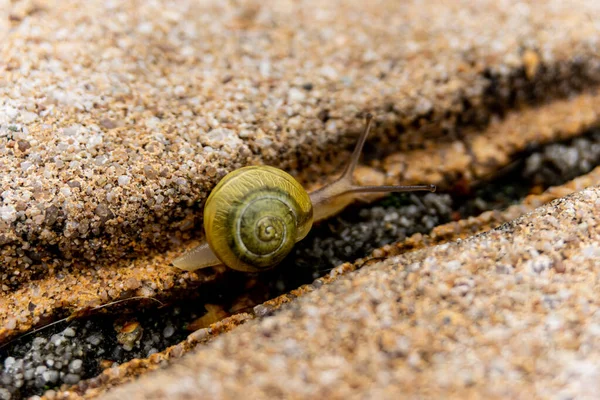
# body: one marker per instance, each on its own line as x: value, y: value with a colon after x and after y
x: 334, y: 197
x: 255, y: 215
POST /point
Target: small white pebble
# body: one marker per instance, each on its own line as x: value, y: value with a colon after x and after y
x: 11, y: 112
x: 124, y: 180
x: 8, y: 213
x: 591, y: 252
x: 265, y: 68
x: 9, y: 362
x: 179, y: 90
x: 168, y: 331
x: 329, y: 72
x: 152, y: 123
x: 95, y: 140
x: 71, y: 130
x: 296, y: 95
x: 75, y: 366
x: 69, y: 332
x: 453, y: 265
x: 145, y: 28
x: 28, y: 116
x: 110, y: 196
x: 25, y: 165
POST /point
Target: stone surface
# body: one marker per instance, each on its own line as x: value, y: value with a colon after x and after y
x: 454, y: 231
x: 511, y: 313
x: 482, y: 153
x: 117, y: 118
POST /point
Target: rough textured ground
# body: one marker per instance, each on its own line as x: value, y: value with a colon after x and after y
x: 442, y: 234
x: 480, y: 154
x: 511, y: 313
x: 150, y: 275
x: 117, y: 118
x: 44, y: 359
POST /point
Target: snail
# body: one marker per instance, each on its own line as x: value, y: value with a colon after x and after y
x: 256, y: 214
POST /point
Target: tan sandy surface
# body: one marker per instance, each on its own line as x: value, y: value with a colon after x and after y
x: 512, y: 313
x: 116, y: 119
x: 447, y: 232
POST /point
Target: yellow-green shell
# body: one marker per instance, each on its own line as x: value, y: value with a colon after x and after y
x: 254, y: 216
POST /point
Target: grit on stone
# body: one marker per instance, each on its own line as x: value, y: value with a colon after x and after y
x: 481, y: 153
x: 465, y: 228
x: 441, y: 234
x: 116, y: 119
x: 150, y: 276
x: 511, y: 313
x: 41, y: 361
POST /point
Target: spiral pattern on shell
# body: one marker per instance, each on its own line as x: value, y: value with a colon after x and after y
x: 266, y: 228
x: 254, y: 216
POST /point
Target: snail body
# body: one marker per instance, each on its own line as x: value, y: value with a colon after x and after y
x: 255, y: 215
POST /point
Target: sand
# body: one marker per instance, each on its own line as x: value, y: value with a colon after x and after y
x: 450, y: 232
x: 511, y: 313
x: 117, y: 119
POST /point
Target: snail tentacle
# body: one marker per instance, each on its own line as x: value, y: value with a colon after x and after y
x: 333, y: 198
x: 197, y: 258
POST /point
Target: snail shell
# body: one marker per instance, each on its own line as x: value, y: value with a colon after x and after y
x: 254, y: 216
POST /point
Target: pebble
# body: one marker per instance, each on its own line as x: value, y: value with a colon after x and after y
x: 296, y: 95
x: 561, y: 162
x: 43, y: 363
x: 124, y: 180
x: 168, y: 331
x: 94, y: 339
x: 71, y: 379
x: 8, y: 214
x: 5, y: 394
x: 75, y: 366
x: 69, y: 332
x: 50, y: 377
x: 61, y: 359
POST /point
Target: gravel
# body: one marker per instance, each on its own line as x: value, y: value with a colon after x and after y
x: 539, y: 168
x: 48, y: 360
x: 45, y: 363
x: 116, y: 120
x: 358, y: 231
x: 353, y: 234
x: 560, y: 162
x: 470, y: 318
